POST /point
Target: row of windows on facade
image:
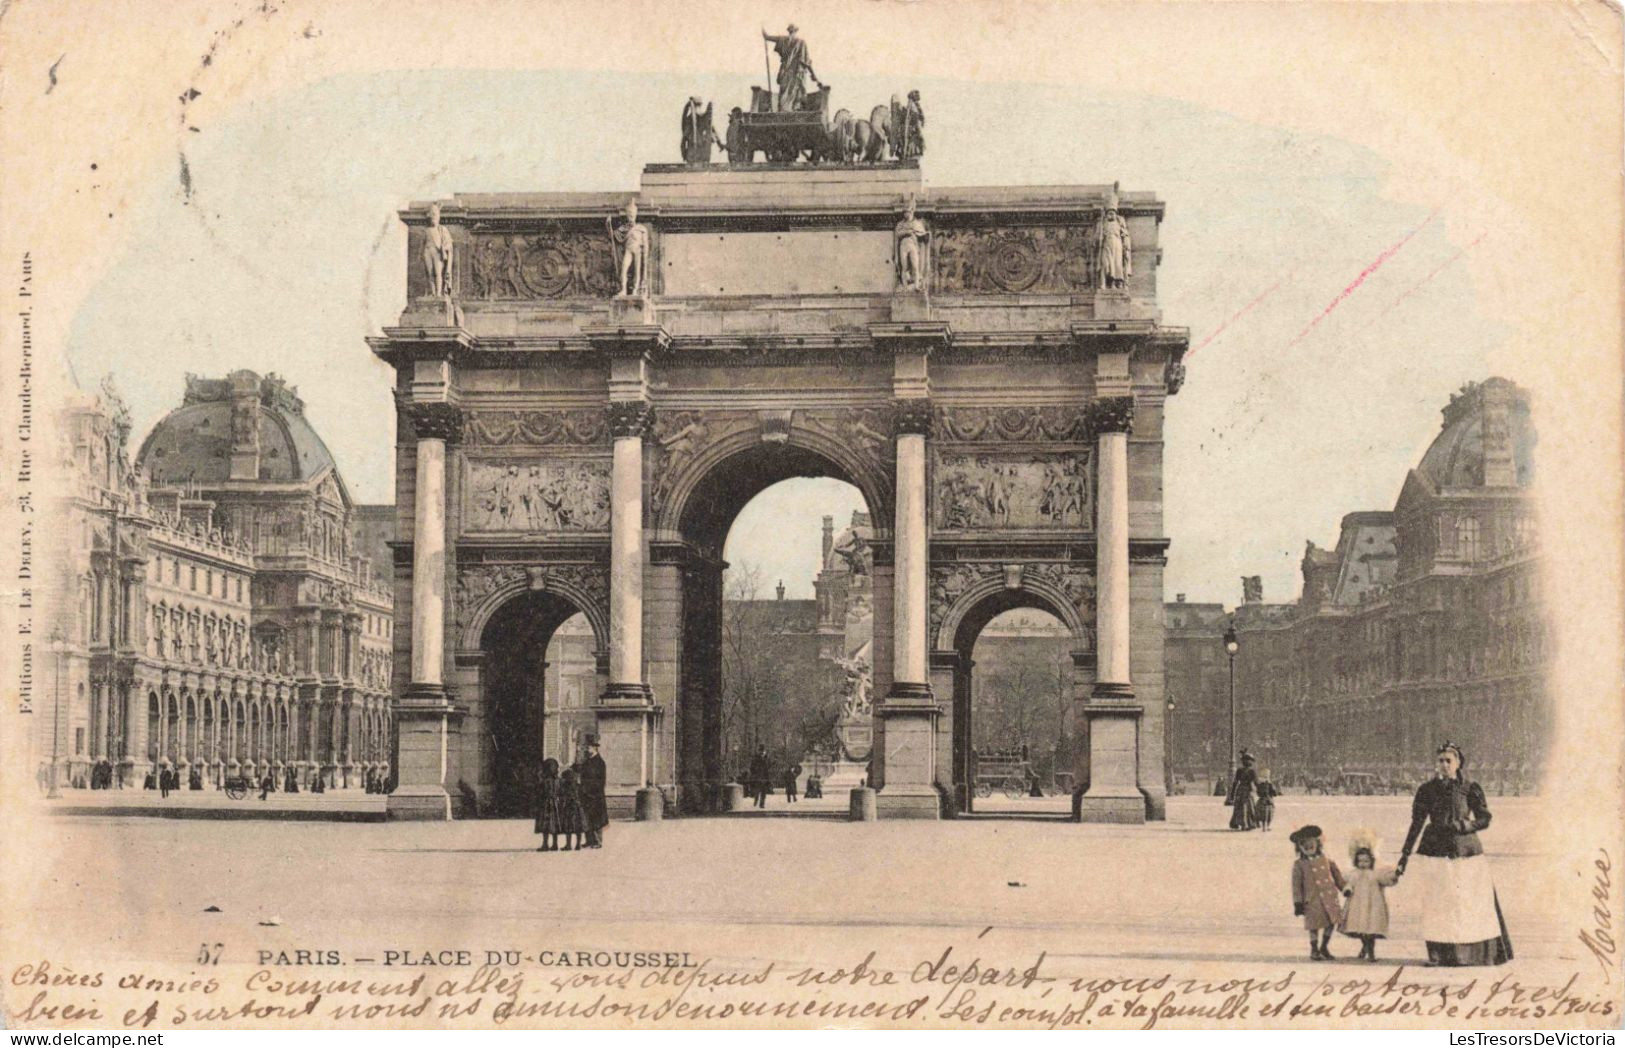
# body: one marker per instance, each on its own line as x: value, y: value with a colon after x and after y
x: 1462, y: 537
x: 1502, y: 729
x: 206, y: 731
x: 191, y: 635
x: 373, y: 723
x: 231, y: 588
x: 1432, y: 655
x: 208, y: 575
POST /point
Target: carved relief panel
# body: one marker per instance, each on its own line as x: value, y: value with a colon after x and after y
x: 583, y: 426
x: 554, y: 263
x: 476, y: 583
x: 527, y: 496
x: 1012, y: 490
x: 1037, y: 260
x: 952, y: 579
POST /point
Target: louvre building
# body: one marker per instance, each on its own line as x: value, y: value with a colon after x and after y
x: 1421, y: 624
x: 213, y: 611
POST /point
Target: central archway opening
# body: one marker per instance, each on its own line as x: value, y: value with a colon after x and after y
x: 1016, y: 735
x: 779, y: 635
x: 540, y: 678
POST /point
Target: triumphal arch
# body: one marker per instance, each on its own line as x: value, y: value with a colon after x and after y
x: 590, y: 387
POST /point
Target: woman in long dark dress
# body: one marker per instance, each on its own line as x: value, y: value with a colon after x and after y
x: 547, y: 805
x: 1244, y: 795
x: 1461, y: 916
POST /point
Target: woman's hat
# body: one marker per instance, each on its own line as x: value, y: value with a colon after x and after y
x: 590, y: 740
x: 1306, y: 833
x: 1364, y: 840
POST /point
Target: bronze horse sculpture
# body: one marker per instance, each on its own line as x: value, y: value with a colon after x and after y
x: 858, y: 141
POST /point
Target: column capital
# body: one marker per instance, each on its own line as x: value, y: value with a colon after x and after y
x: 912, y: 415
x: 1112, y: 415
x: 436, y: 420
x: 630, y: 418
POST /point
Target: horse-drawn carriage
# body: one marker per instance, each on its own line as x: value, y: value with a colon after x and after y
x: 1009, y: 773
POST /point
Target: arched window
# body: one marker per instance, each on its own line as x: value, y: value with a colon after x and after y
x: 1467, y: 538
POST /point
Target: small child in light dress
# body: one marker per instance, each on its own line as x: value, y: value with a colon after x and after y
x: 1365, y: 911
x: 1265, y: 808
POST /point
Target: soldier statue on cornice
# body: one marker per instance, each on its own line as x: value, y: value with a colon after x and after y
x: 912, y: 242
x: 631, y: 242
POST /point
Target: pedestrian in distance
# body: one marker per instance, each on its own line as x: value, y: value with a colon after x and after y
x: 547, y: 805
x: 594, y: 805
x: 760, y: 775
x: 571, y: 820
x: 1264, y: 809
x: 1243, y: 795
x: 267, y: 784
x: 791, y: 774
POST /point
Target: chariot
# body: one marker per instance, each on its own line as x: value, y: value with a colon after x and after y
x: 782, y: 137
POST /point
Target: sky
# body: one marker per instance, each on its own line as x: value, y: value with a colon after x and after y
x: 1329, y: 319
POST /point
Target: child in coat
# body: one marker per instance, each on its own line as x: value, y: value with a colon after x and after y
x: 572, y: 820
x: 1265, y: 807
x: 1317, y: 891
x: 1365, y: 915
x: 547, y: 805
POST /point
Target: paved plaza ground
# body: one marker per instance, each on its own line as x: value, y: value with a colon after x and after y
x: 1182, y: 899
x: 1187, y: 889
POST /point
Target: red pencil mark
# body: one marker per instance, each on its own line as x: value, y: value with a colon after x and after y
x: 1430, y: 276
x: 1237, y: 315
x: 1376, y: 264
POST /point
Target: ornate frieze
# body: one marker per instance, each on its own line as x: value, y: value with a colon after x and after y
x: 1112, y: 415
x: 435, y: 421
x: 584, y: 426
x: 630, y: 418
x: 1076, y: 581
x: 678, y: 436
x: 476, y: 583
x: 1053, y: 422
x: 1012, y: 491
x: 1038, y: 260
x: 553, y: 263
x: 951, y: 580
x: 536, y: 497
x: 866, y: 429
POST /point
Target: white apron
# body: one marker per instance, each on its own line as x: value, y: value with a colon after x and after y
x: 1458, y: 899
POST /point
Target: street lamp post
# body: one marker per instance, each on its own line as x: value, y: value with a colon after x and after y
x: 1168, y: 749
x: 58, y: 648
x: 1231, y: 646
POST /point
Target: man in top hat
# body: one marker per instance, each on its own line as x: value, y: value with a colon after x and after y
x: 594, y: 777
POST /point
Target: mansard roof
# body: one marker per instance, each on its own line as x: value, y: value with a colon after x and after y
x: 1457, y: 457
x: 192, y: 444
